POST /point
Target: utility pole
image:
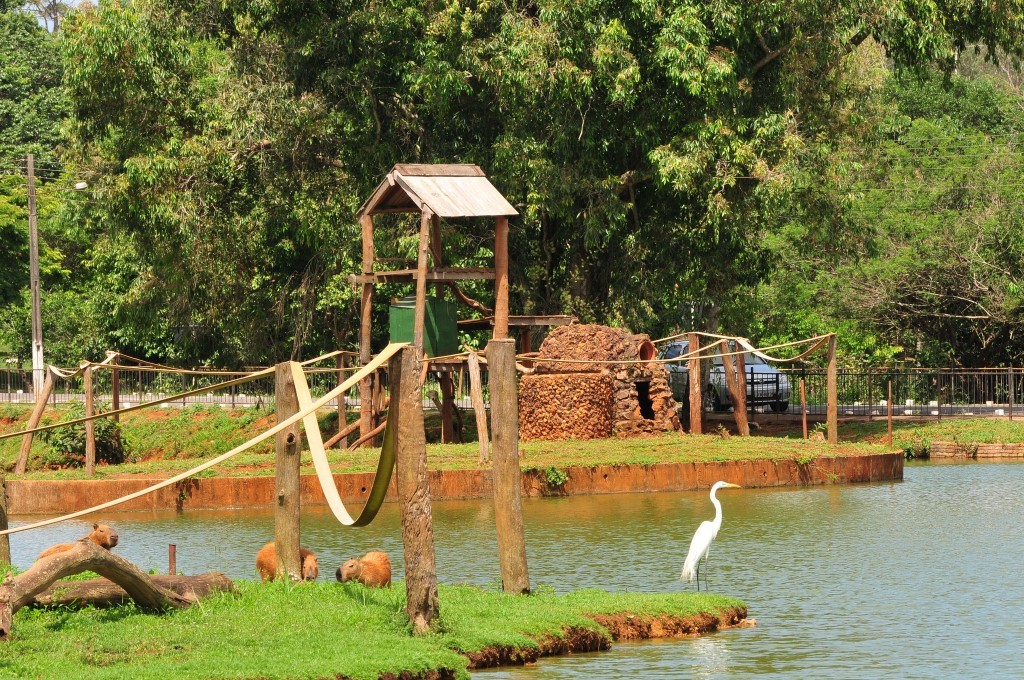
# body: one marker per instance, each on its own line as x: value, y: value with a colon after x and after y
x: 38, y: 369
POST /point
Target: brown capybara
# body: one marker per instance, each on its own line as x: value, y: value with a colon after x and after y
x: 266, y: 563
x: 372, y: 570
x: 102, y: 535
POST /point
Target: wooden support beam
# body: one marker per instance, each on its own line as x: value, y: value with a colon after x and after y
x: 803, y: 405
x: 342, y: 435
x: 741, y: 388
x: 90, y: 426
x: 420, y: 313
x: 369, y: 436
x: 412, y: 483
x: 366, y: 328
x: 500, y: 278
x: 115, y: 389
x: 476, y: 395
x: 287, y: 446
x: 696, y: 394
x: 5, y: 540
x: 33, y: 422
x: 732, y: 384
x: 506, y: 476
x: 833, y: 397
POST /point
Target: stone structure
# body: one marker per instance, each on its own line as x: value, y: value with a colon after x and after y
x: 595, y: 400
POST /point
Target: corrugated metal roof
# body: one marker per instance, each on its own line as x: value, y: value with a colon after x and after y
x: 447, y: 190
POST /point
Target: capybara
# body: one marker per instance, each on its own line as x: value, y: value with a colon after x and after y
x: 266, y: 563
x: 102, y: 535
x: 372, y: 569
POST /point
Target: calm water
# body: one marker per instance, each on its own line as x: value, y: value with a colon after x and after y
x: 921, y: 578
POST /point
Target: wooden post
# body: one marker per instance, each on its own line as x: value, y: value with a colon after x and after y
x: 365, y: 328
x: 172, y: 559
x: 696, y: 395
x: 476, y: 395
x: 413, y: 485
x: 506, y: 476
x: 888, y: 408
x: 90, y: 428
x: 444, y: 379
x: 500, y: 278
x: 1009, y: 380
x: 115, y: 389
x: 287, y: 459
x: 803, y: 405
x: 5, y: 540
x: 39, y: 372
x: 420, y: 313
x: 732, y: 384
x: 33, y: 422
x: 833, y: 397
x: 741, y: 387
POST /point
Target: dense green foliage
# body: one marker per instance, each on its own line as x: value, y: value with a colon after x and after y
x: 752, y: 166
x: 315, y: 630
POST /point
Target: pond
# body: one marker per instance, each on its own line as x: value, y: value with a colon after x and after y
x: 920, y: 578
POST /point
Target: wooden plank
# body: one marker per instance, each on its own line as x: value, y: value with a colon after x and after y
x: 420, y: 312
x: 438, y: 170
x: 506, y: 475
x: 696, y: 396
x: 803, y: 405
x: 833, y: 398
x: 500, y: 278
x: 287, y: 445
x: 33, y: 422
x: 366, y: 327
x: 433, y: 275
x: 90, y: 426
x: 412, y: 482
x: 476, y: 395
x: 457, y: 196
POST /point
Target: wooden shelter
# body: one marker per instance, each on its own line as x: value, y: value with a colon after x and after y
x: 434, y: 191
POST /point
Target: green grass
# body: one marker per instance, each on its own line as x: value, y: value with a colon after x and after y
x: 316, y: 630
x: 163, y: 442
x: 911, y: 433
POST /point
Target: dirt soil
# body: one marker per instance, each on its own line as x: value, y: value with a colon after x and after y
x: 622, y: 626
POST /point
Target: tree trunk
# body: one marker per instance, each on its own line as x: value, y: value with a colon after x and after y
x: 101, y: 592
x: 18, y: 591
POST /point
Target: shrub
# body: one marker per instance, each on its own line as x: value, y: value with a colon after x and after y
x: 67, y: 444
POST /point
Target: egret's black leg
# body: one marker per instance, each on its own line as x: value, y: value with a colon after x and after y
x: 698, y: 576
x: 707, y: 586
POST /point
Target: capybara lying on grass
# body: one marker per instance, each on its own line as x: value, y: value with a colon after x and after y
x: 266, y: 563
x: 102, y: 535
x: 372, y: 569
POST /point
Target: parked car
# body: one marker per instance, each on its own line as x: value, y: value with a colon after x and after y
x: 766, y: 385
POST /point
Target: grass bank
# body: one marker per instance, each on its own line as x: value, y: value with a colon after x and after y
x: 328, y: 630
x: 163, y: 442
x: 912, y: 436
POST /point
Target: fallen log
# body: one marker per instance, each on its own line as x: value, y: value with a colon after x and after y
x: 101, y: 592
x: 18, y: 591
x: 349, y: 429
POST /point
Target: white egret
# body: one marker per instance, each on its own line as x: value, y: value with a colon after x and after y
x: 701, y: 543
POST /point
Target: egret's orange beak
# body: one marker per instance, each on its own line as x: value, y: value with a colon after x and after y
x: 733, y: 486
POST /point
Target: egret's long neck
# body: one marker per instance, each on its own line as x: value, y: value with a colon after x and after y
x: 718, y: 512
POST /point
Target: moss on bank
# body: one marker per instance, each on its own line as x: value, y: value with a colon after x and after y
x: 323, y: 630
x: 163, y: 442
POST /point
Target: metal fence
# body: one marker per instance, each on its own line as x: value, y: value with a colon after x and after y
x: 142, y: 385
x: 915, y: 391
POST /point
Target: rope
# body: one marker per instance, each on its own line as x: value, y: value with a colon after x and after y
x: 127, y: 409
x: 302, y: 414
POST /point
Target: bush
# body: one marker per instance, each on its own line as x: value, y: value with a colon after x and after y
x: 67, y: 444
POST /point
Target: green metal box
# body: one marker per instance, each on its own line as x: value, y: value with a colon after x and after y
x: 440, y: 332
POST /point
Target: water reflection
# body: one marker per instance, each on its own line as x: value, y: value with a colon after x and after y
x: 913, y: 579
